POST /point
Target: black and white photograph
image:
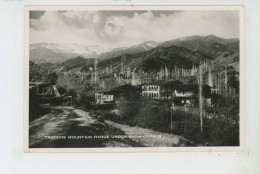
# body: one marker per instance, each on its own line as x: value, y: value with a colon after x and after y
x: 133, y: 78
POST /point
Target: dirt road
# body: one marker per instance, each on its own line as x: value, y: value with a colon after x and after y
x: 66, y: 126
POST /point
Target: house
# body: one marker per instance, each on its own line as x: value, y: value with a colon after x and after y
x: 177, y: 92
x: 159, y: 89
x: 39, y: 88
x: 188, y: 94
x: 151, y: 90
x: 46, y: 92
x: 116, y: 93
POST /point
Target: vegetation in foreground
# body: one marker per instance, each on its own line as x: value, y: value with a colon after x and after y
x: 220, y: 127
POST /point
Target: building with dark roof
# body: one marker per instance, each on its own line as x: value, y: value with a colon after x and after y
x: 189, y: 94
x: 175, y: 91
x: 117, y: 92
x: 38, y: 87
x: 159, y: 89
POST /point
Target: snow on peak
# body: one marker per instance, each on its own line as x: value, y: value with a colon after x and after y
x: 84, y: 50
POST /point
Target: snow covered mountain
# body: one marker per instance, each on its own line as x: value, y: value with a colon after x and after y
x: 145, y: 46
x: 212, y: 46
x: 54, y: 53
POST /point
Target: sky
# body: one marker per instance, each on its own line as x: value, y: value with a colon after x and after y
x: 112, y: 29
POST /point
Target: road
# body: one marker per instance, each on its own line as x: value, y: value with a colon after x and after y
x: 66, y: 126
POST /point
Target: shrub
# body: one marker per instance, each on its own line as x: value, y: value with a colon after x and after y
x: 128, y: 109
x: 153, y: 114
x: 61, y: 90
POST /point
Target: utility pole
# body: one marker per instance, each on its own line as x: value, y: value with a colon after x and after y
x: 91, y: 69
x: 182, y: 71
x: 172, y: 108
x: 200, y: 98
x: 226, y: 93
x: 226, y: 81
x: 95, y: 66
x: 171, y: 118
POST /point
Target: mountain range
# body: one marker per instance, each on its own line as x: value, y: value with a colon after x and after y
x: 145, y: 46
x: 57, y: 53
x: 212, y: 45
x: 184, y: 52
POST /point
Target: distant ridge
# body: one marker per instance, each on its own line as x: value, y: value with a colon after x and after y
x: 178, y: 52
x: 212, y: 45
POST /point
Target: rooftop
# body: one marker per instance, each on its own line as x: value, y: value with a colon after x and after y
x: 189, y: 86
x: 35, y: 83
x: 115, y: 87
x: 163, y: 82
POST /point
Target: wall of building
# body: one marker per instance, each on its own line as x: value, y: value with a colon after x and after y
x: 151, y: 91
x: 103, y: 98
